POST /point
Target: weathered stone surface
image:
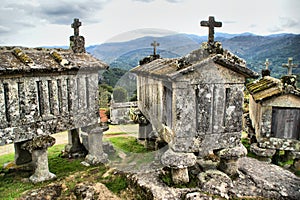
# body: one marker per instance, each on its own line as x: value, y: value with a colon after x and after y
x: 232, y: 153
x: 270, y: 181
x: 178, y: 160
x: 74, y: 146
x: 89, y: 191
x: 197, y: 196
x: 119, y: 112
x: 50, y: 192
x: 215, y: 182
x: 40, y: 142
x: 261, y: 151
x: 229, y: 157
x: 41, y: 171
x: 96, y: 154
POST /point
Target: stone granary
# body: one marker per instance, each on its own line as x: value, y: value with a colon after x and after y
x: 45, y: 91
x: 195, y: 103
x: 274, y: 110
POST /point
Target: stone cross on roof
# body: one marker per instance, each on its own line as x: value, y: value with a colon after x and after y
x: 267, y: 63
x: 290, y: 65
x: 211, y: 24
x: 154, y: 44
x: 76, y: 24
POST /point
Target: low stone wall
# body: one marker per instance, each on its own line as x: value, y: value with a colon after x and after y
x: 119, y: 112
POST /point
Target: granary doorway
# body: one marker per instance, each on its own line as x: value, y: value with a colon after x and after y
x: 285, y: 123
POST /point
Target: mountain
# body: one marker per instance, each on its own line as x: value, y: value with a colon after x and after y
x: 253, y: 48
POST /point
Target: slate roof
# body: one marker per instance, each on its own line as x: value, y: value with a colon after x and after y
x: 268, y: 87
x: 15, y: 60
x: 172, y: 68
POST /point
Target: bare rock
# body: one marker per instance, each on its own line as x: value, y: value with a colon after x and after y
x: 50, y: 192
x: 215, y: 182
x: 260, y: 179
x: 90, y: 191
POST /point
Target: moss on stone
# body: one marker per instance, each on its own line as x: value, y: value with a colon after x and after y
x: 22, y: 56
x: 57, y: 57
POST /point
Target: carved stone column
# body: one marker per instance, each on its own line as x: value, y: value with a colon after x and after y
x: 74, y: 146
x: 38, y: 147
x: 96, y: 154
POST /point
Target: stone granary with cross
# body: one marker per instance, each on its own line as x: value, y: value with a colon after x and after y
x: 274, y: 110
x: 194, y: 104
x: 46, y: 91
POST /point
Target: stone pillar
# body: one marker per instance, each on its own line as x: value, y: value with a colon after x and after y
x: 179, y: 163
x: 262, y: 154
x: 74, y: 147
x: 22, y: 156
x: 38, y: 147
x: 96, y: 154
x: 229, y: 158
x: 144, y: 131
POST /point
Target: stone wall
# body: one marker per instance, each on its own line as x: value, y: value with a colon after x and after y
x: 45, y: 104
x: 119, y: 112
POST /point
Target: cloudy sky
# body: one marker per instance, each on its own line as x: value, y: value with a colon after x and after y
x: 47, y: 22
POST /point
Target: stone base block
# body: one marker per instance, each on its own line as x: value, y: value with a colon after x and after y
x: 180, y: 175
x: 35, y: 178
x: 95, y: 160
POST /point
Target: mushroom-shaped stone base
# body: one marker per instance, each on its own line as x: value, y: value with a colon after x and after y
x: 229, y: 158
x: 96, y: 154
x: 179, y: 163
x: 262, y: 153
x: 38, y: 147
x: 41, y: 172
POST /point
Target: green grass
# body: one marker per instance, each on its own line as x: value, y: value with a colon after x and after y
x: 12, y: 183
x: 68, y: 171
x: 128, y: 144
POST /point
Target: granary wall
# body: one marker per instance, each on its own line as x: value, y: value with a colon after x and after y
x: 284, y: 101
x: 255, y: 115
x: 202, y: 109
x: 44, y: 104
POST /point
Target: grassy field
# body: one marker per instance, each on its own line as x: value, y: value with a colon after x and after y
x: 68, y: 171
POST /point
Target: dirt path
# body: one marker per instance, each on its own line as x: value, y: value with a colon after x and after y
x: 62, y: 137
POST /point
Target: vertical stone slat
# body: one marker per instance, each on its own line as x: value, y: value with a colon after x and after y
x: 50, y: 96
x: 2, y: 106
x: 21, y: 97
x: 55, y: 103
x: 40, y: 97
x: 59, y: 96
x: 13, y: 102
x: 45, y: 91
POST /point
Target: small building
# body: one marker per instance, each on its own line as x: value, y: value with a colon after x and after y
x: 46, y: 91
x: 195, y: 103
x: 274, y: 110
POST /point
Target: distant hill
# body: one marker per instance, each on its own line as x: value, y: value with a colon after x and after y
x: 253, y: 48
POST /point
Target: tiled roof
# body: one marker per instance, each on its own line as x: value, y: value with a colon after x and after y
x: 268, y: 87
x: 24, y: 60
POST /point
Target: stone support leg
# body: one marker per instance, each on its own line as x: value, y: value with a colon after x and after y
x: 74, y: 145
x: 229, y: 158
x: 179, y: 163
x: 22, y: 156
x: 144, y: 131
x: 38, y: 147
x: 40, y: 160
x: 96, y: 154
